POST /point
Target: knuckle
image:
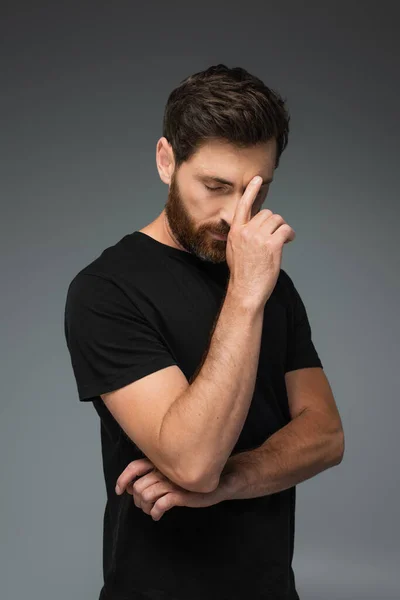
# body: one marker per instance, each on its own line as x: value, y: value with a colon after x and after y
x: 279, y: 217
x: 130, y: 469
x: 146, y: 495
x: 284, y: 230
x: 163, y: 502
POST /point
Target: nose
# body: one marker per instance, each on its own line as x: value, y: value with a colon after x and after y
x: 228, y: 210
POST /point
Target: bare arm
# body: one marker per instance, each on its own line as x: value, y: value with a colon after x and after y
x: 306, y: 446
x: 203, y: 424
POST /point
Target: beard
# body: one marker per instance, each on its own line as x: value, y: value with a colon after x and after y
x: 196, y: 240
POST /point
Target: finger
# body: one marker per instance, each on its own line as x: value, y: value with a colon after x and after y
x: 144, y: 482
x: 243, y: 209
x: 136, y: 468
x: 285, y: 233
x: 151, y: 494
x: 141, y: 484
x: 263, y: 215
x: 166, y: 503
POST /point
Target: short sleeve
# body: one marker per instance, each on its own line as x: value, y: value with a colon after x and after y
x: 301, y: 352
x: 110, y: 342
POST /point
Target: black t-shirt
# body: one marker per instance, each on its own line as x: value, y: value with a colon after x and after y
x: 141, y: 306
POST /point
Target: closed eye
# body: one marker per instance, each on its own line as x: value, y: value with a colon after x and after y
x: 215, y: 189
x: 212, y: 189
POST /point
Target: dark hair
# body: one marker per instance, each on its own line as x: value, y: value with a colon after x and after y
x: 224, y: 103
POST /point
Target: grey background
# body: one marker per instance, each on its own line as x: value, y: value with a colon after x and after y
x: 83, y: 90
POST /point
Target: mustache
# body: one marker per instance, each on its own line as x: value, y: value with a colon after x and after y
x: 219, y: 231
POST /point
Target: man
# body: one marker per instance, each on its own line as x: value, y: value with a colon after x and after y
x: 195, y: 348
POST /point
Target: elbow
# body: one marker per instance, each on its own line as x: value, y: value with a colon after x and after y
x: 338, y: 447
x: 190, y: 480
x: 204, y: 483
x: 193, y: 477
x: 204, y: 486
x: 207, y: 485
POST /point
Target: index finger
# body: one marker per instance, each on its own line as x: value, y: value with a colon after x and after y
x: 243, y: 209
x: 136, y: 468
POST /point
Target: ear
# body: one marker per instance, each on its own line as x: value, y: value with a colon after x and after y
x: 165, y: 160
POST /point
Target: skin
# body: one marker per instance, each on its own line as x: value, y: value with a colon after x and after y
x: 193, y: 212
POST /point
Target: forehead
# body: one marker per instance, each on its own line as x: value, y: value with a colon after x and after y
x: 224, y: 159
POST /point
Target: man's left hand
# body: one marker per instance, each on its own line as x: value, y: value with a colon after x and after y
x: 154, y: 493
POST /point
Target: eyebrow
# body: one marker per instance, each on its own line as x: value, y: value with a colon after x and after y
x: 226, y: 182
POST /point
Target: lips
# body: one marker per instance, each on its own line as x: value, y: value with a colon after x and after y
x: 220, y: 236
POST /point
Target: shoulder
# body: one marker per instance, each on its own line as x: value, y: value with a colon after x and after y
x: 113, y: 263
x: 108, y: 272
x: 95, y: 302
x: 87, y: 284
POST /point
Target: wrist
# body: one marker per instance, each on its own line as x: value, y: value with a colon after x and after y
x: 229, y: 484
x: 242, y: 302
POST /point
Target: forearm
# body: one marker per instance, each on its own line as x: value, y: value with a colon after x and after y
x: 203, y: 424
x: 300, y: 450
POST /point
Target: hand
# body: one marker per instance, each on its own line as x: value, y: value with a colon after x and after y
x: 254, y: 248
x: 154, y: 493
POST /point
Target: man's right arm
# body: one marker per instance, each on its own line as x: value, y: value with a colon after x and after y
x: 202, y: 426
x: 189, y: 430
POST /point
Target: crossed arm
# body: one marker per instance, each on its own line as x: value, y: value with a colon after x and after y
x: 310, y: 443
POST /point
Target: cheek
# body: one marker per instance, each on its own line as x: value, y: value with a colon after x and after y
x: 197, y: 203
